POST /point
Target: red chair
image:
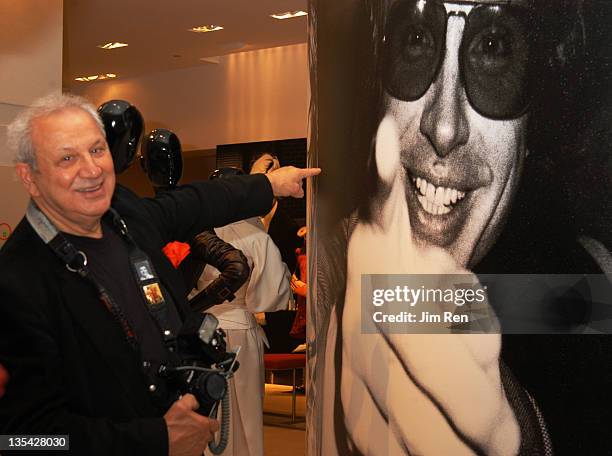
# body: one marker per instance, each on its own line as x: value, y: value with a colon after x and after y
x: 286, y: 361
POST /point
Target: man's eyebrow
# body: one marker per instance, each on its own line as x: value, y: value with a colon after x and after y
x: 98, y: 142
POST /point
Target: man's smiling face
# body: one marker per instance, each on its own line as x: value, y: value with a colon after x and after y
x: 460, y: 168
x: 75, y: 179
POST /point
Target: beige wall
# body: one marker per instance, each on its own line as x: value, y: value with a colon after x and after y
x: 250, y: 96
x: 30, y: 49
x: 30, y: 66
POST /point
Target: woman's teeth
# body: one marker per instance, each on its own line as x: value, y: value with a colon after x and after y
x: 436, y: 200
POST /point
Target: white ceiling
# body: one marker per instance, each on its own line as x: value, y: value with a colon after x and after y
x: 156, y: 31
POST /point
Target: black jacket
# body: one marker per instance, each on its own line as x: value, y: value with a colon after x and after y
x: 71, y: 370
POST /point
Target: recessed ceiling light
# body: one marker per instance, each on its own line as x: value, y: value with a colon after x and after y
x: 214, y: 60
x: 205, y: 28
x: 96, y: 77
x: 289, y: 14
x: 113, y: 45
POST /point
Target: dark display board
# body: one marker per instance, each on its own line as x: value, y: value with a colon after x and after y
x: 289, y: 152
x: 467, y: 138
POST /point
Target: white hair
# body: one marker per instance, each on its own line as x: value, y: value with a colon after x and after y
x: 19, y: 131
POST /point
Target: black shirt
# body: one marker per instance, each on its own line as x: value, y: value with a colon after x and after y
x: 109, y: 263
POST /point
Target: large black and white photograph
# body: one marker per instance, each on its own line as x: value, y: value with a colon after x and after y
x: 466, y: 137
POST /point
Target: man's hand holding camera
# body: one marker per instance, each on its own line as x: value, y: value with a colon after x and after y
x: 188, y: 431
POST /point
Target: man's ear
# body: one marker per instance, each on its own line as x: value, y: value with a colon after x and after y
x: 26, y: 174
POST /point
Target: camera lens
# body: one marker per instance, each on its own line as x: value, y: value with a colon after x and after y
x: 211, y: 387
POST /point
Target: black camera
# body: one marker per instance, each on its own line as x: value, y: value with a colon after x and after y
x: 202, y: 363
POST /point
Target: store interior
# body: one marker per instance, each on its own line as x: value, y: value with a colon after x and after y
x: 227, y: 95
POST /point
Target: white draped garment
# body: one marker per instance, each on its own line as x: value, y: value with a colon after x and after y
x: 266, y: 290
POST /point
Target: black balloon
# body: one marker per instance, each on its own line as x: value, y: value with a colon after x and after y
x: 161, y: 159
x: 123, y: 124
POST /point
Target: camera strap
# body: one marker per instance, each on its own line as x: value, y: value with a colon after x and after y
x: 76, y: 261
x: 147, y: 279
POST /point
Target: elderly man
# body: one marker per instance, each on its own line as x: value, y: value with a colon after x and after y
x: 449, y: 112
x: 78, y: 335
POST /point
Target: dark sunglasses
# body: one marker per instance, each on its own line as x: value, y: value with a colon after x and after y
x: 494, y: 55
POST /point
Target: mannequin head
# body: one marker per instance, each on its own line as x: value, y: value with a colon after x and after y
x: 161, y: 159
x: 123, y: 125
